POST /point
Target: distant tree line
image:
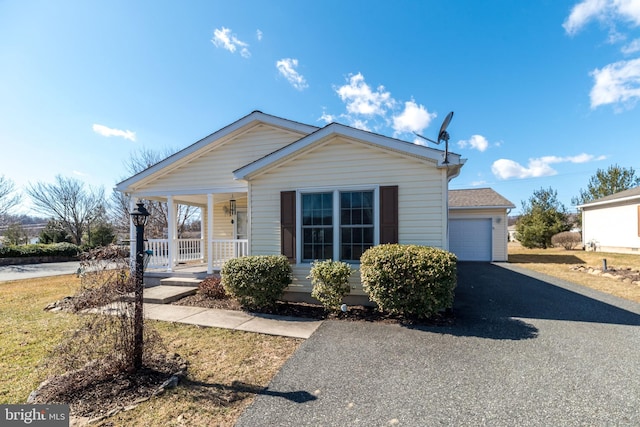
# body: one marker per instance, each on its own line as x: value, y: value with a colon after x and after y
x: 80, y: 214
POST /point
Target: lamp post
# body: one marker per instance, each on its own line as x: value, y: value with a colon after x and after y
x: 139, y: 217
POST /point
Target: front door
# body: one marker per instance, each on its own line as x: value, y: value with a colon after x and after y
x: 240, y: 229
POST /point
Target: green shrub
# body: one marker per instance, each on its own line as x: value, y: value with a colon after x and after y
x: 211, y: 287
x: 256, y: 281
x: 416, y: 281
x: 330, y: 281
x: 37, y: 250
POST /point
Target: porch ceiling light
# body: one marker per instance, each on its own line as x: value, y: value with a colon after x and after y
x: 140, y: 215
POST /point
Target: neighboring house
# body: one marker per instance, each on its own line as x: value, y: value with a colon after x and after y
x: 612, y: 223
x: 478, y: 224
x: 267, y: 185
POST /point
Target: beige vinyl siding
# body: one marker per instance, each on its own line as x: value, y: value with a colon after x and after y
x: 214, y: 168
x: 499, y: 232
x: 341, y: 163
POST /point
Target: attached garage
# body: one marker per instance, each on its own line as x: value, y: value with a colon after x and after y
x: 470, y: 238
x: 478, y: 224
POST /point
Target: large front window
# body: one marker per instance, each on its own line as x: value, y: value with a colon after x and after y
x: 317, y: 226
x: 337, y: 224
x: 356, y: 224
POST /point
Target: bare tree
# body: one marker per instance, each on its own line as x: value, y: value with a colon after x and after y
x: 69, y: 202
x: 8, y: 197
x: 158, y: 211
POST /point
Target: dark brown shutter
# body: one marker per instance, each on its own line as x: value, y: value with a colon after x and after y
x: 288, y: 224
x: 389, y: 214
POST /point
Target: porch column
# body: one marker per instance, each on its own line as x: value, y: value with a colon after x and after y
x: 171, y: 233
x: 132, y: 234
x: 202, y: 239
x: 209, y: 233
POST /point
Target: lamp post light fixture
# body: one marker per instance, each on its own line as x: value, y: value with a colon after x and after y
x: 139, y: 218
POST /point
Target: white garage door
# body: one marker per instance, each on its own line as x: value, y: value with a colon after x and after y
x: 470, y: 239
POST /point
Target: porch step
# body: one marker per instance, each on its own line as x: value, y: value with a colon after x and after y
x: 167, y: 294
x: 180, y: 281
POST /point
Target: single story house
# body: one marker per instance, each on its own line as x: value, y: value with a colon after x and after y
x: 612, y: 223
x: 267, y: 185
x: 478, y: 224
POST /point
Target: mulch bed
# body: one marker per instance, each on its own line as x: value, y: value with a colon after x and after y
x: 96, y: 392
x: 313, y: 311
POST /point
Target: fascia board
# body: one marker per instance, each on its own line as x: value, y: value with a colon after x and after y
x: 609, y: 202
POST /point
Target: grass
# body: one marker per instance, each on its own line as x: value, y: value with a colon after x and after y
x: 556, y: 262
x: 224, y: 366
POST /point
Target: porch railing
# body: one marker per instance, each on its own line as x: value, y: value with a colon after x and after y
x: 224, y: 250
x: 192, y: 250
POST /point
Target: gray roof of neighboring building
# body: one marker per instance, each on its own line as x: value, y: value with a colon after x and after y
x: 630, y: 193
x: 477, y: 198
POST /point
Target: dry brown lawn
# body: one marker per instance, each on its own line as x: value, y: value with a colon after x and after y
x: 557, y: 262
x: 226, y: 368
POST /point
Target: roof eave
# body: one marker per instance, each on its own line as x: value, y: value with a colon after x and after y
x: 609, y: 202
x: 403, y: 147
x: 253, y: 117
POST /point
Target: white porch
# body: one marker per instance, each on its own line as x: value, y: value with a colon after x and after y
x: 192, y: 252
x: 223, y: 233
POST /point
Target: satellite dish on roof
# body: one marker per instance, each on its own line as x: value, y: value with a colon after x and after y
x: 443, y: 135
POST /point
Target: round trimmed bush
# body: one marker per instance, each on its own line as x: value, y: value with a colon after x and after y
x: 330, y: 281
x: 411, y: 280
x: 256, y: 281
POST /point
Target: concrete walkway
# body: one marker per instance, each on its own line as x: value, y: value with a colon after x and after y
x: 231, y: 319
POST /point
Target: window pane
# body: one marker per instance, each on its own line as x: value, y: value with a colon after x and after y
x: 317, y: 214
x: 356, y: 224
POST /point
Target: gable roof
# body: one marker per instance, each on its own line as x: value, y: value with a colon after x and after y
x: 478, y: 198
x: 336, y: 129
x: 192, y: 150
x: 621, y: 196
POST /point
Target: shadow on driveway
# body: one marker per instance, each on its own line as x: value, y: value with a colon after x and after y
x: 494, y: 300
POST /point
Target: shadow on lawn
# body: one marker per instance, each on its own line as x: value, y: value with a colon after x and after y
x: 545, y: 259
x: 226, y: 394
x: 492, y: 300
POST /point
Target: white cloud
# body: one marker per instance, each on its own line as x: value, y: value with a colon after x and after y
x: 606, y: 11
x: 106, y: 131
x: 476, y: 142
x: 616, y: 83
x: 361, y: 124
x: 537, y: 167
x: 80, y: 174
x: 259, y: 35
x: 632, y: 47
x: 287, y: 67
x: 224, y: 39
x: 327, y: 118
x: 414, y: 118
x: 361, y: 100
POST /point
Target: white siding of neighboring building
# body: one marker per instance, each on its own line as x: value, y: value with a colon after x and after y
x: 214, y: 169
x: 499, y: 233
x: 613, y: 228
x: 341, y: 163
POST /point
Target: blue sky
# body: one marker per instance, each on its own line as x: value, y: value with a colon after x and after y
x: 544, y: 92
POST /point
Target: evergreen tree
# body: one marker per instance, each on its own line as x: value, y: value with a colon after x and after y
x: 543, y: 216
x: 607, y: 182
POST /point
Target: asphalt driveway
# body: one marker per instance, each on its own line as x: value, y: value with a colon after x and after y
x: 525, y: 350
